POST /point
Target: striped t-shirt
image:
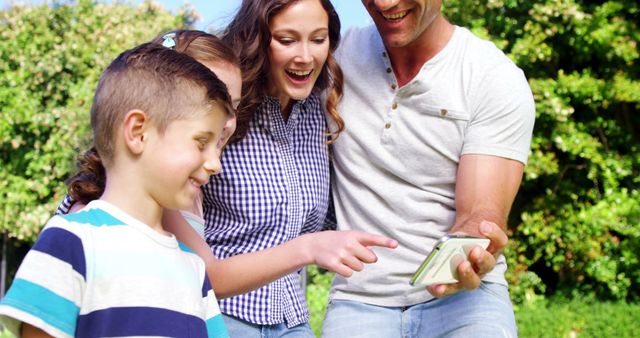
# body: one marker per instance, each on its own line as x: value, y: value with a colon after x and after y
x: 101, y: 273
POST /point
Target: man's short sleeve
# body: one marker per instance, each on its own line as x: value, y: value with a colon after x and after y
x: 503, y: 115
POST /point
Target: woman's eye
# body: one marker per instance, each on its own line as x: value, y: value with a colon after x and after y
x: 285, y: 41
x: 319, y: 40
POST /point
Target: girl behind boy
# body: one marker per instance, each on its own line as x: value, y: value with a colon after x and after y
x: 111, y: 269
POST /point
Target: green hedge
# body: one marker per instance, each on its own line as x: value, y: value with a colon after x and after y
x: 575, y: 226
x: 51, y: 57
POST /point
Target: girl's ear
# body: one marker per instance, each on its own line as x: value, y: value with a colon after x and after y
x: 136, y: 127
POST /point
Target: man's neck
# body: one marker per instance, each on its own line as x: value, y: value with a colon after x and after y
x: 408, y: 60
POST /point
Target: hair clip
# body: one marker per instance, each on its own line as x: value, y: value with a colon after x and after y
x: 168, y: 40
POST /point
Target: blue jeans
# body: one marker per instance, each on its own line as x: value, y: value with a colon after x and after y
x: 239, y: 328
x: 484, y: 312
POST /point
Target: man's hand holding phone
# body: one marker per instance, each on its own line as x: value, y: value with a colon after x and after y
x: 480, y: 260
x: 440, y: 266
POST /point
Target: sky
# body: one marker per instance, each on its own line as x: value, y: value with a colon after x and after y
x: 216, y: 13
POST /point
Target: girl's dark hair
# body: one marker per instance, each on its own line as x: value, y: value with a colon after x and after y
x: 249, y: 34
x: 89, y: 182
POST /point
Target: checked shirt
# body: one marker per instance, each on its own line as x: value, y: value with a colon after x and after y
x: 274, y: 186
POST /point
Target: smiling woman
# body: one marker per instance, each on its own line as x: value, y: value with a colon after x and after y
x: 275, y: 187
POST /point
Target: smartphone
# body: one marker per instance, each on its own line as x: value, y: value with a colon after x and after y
x: 440, y: 265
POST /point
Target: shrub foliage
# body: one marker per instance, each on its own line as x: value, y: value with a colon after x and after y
x: 576, y: 221
x: 51, y: 57
x: 575, y: 226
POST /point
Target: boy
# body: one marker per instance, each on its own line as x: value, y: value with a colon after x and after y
x: 111, y: 269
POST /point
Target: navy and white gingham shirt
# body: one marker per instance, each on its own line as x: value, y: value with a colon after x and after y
x: 274, y: 186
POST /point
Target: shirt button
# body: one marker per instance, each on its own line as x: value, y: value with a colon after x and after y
x: 443, y: 112
x: 389, y: 70
x: 384, y: 54
x: 388, y: 125
x: 394, y: 106
x: 394, y: 86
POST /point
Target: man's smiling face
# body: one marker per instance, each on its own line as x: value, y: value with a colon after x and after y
x: 401, y: 22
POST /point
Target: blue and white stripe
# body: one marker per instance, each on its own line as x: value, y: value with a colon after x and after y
x: 99, y: 272
x: 273, y: 188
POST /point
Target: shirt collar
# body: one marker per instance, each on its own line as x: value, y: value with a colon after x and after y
x: 270, y: 114
x: 419, y: 83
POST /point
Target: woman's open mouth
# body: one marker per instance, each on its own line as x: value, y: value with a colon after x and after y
x: 299, y: 75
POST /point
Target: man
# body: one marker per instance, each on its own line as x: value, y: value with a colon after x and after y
x: 438, y: 129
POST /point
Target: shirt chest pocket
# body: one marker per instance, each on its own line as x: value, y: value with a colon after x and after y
x: 428, y: 136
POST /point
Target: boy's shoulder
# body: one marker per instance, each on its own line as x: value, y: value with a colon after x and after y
x: 77, y: 229
x: 95, y: 214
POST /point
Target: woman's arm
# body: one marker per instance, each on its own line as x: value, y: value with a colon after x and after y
x: 339, y: 251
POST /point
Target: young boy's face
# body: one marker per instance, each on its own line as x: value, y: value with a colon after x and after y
x: 181, y: 159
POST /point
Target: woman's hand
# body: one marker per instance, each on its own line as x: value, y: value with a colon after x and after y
x: 343, y: 252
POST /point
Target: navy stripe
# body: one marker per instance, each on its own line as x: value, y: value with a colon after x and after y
x: 63, y: 245
x: 139, y: 321
x: 206, y: 286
